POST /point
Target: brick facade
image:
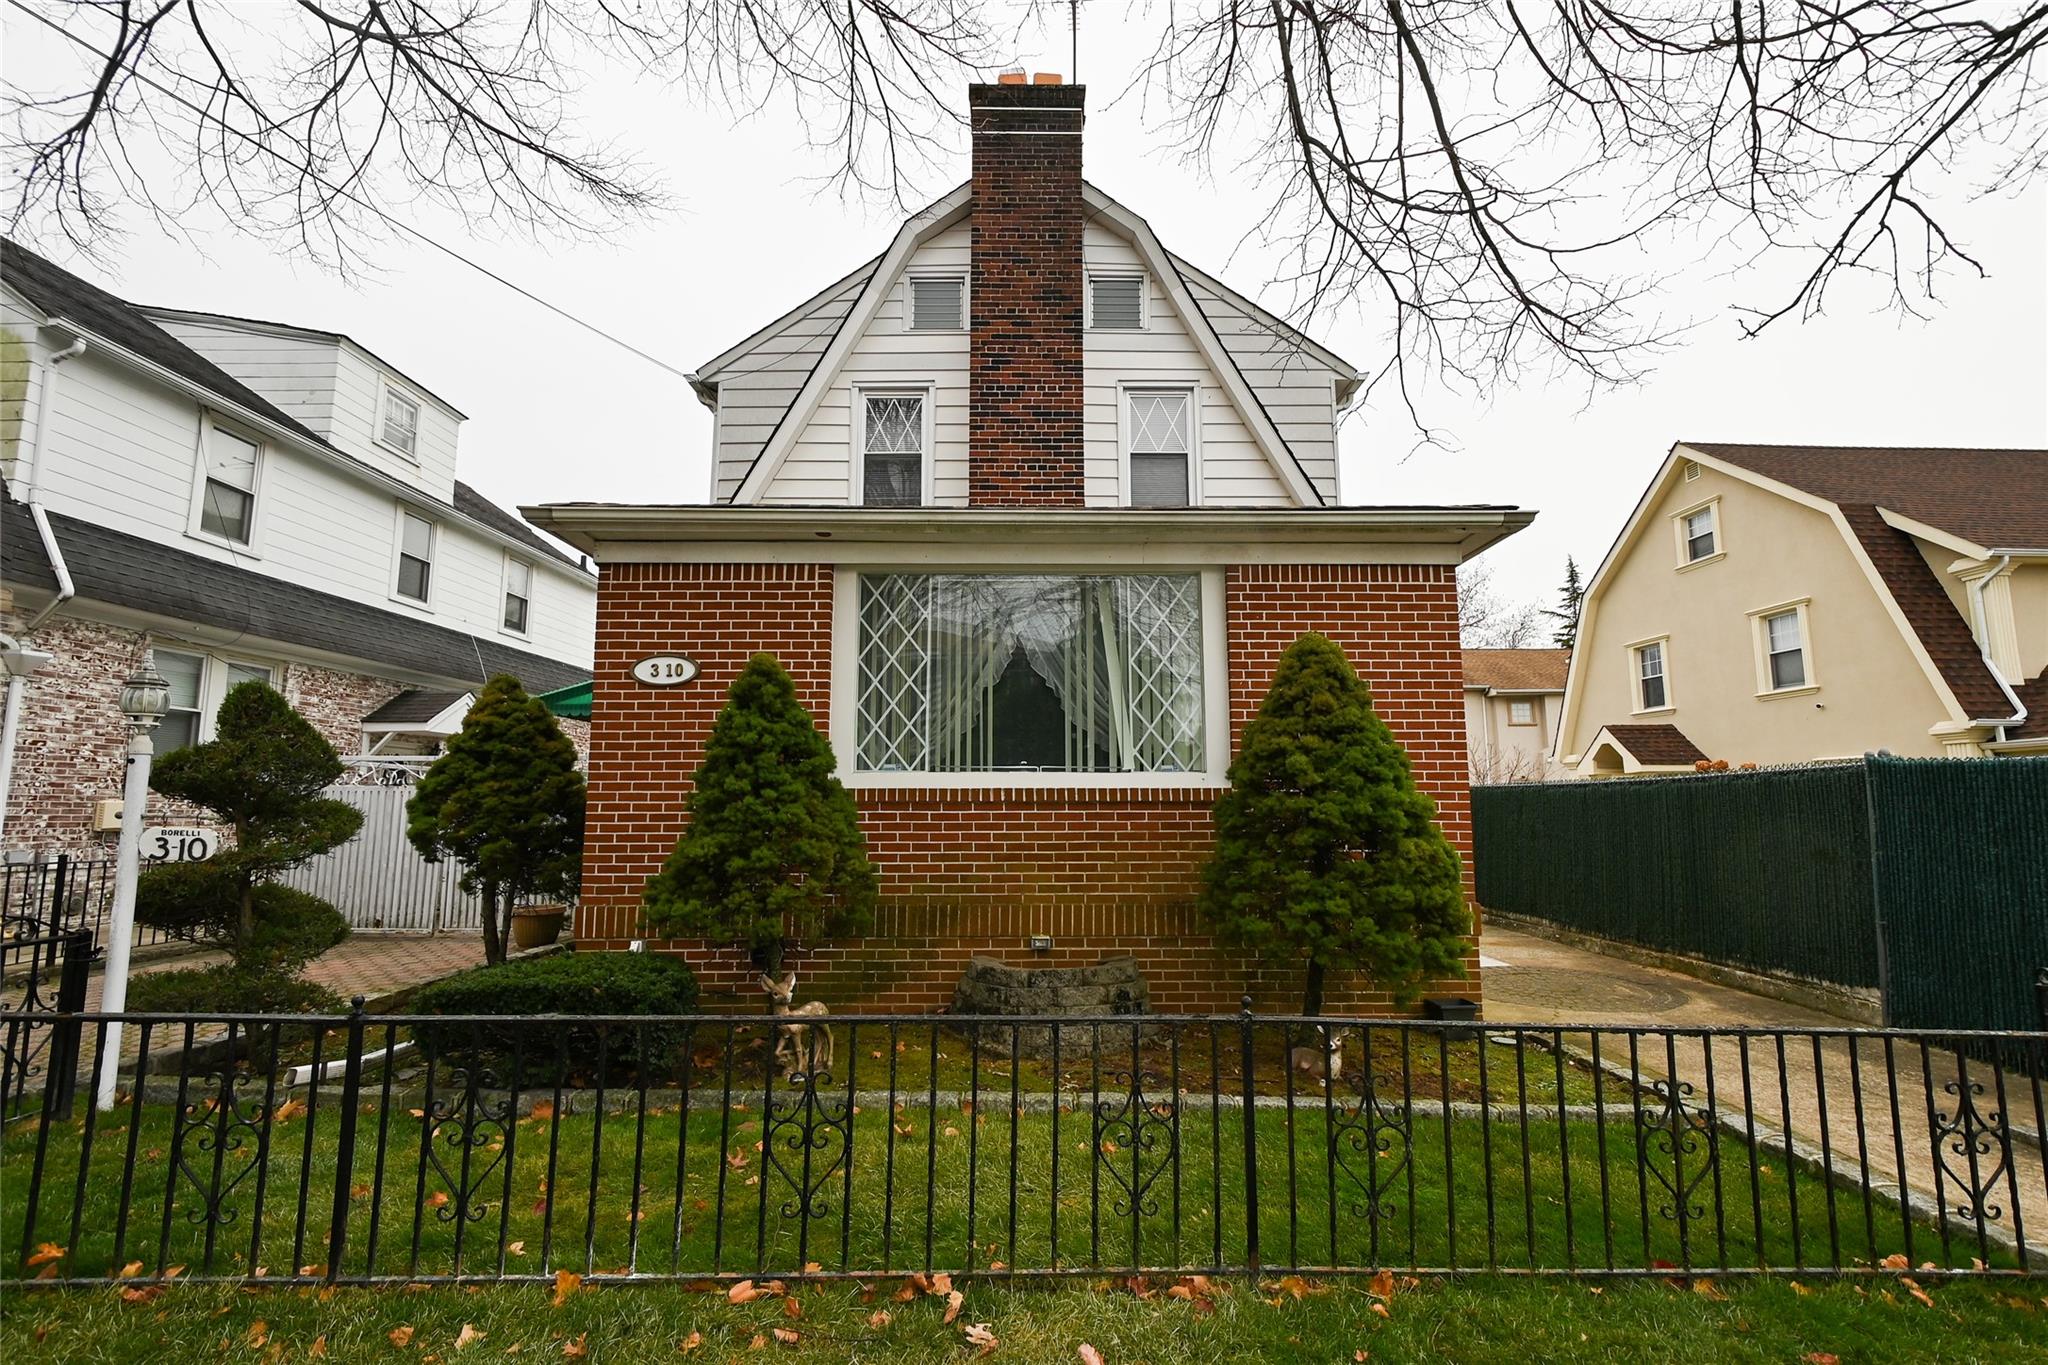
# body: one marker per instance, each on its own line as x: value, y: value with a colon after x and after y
x: 1024, y: 351
x: 73, y: 741
x: 968, y: 871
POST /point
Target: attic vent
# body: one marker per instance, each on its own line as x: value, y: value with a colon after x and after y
x: 935, y: 303
x: 1116, y: 302
x: 1692, y: 470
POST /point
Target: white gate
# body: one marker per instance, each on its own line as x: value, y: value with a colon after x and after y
x: 379, y: 881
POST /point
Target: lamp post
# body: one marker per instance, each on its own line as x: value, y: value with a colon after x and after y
x: 144, y: 699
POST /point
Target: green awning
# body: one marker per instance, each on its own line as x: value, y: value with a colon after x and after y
x: 571, y: 703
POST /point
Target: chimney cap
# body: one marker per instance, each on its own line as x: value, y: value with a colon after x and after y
x: 1013, y: 76
x: 1047, y: 78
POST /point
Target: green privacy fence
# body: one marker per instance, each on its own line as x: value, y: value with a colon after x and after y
x: 1961, y: 870
x: 1793, y: 871
x: 1768, y: 871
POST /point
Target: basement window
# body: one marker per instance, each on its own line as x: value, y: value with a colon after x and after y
x: 1017, y: 673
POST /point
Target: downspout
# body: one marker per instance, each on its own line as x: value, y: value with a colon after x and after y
x: 10, y: 718
x: 2019, y: 708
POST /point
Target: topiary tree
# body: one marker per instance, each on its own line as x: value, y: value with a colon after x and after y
x: 262, y: 774
x: 1325, y: 850
x: 772, y: 850
x: 506, y: 801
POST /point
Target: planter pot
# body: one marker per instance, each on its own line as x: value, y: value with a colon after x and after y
x: 536, y: 926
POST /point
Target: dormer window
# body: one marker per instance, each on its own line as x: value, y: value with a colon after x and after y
x: 938, y: 303
x: 1116, y: 303
x: 399, y: 426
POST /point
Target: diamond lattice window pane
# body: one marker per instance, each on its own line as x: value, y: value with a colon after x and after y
x: 1159, y: 423
x: 895, y: 425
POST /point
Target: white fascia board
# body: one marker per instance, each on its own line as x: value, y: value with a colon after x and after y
x: 1934, y: 535
x: 285, y: 436
x: 932, y: 219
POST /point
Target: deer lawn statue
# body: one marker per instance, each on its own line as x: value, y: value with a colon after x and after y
x: 1310, y: 1060
x: 808, y: 1046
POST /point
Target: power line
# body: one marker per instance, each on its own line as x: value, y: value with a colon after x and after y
x: 350, y: 195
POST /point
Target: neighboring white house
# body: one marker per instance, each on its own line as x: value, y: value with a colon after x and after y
x: 1513, y: 698
x: 253, y: 500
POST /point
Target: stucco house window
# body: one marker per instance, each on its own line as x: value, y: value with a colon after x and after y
x: 1698, y: 531
x: 976, y: 673
x: 1782, y: 661
x: 1651, y: 692
x: 892, y: 443
x: 1521, y: 712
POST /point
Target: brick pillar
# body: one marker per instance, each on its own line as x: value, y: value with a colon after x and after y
x: 1024, y: 356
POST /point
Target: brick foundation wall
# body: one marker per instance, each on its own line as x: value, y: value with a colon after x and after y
x: 1024, y: 350
x: 980, y: 870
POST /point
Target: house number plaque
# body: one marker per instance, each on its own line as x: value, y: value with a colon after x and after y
x: 665, y: 670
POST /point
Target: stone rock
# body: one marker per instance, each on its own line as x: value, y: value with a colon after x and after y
x: 1103, y: 1000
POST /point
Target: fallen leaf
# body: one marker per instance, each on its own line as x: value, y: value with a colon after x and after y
x: 879, y: 1319
x: 1896, y: 1261
x: 792, y: 1309
x: 44, y: 1254
x: 979, y: 1335
x: 259, y: 1332
x: 942, y: 1283
x: 1360, y: 1354
x: 318, y: 1348
x: 757, y: 1343
x: 130, y: 1271
x: 288, y: 1111
x: 468, y: 1336
x: 1297, y: 1287
x: 1798, y: 1288
x: 542, y: 1109
x: 1821, y: 1358
x: 746, y: 1291
x: 438, y: 1199
x: 576, y: 1350
x: 1707, y: 1289
x: 691, y: 1342
x: 401, y: 1337
x: 1913, y: 1288
x: 515, y: 1248
x: 953, y: 1302
x: 1381, y: 1309
x: 567, y: 1282
x: 1089, y: 1355
x: 788, y: 1336
x: 142, y: 1294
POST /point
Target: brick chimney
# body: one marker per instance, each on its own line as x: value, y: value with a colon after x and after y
x: 1024, y: 354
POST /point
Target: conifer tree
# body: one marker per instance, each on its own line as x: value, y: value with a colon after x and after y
x: 1566, y: 612
x: 773, y: 850
x: 506, y: 801
x: 262, y: 774
x: 1325, y: 851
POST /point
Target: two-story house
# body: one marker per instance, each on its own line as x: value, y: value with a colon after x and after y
x: 1789, y: 604
x: 1512, y: 701
x: 251, y: 500
x: 1029, y: 508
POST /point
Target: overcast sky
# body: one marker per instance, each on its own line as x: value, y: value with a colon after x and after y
x: 558, y: 414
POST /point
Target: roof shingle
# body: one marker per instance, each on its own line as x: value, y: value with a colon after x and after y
x: 1517, y: 670
x: 1657, y: 746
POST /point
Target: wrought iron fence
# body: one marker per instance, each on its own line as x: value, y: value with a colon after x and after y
x: 59, y: 894
x: 364, y: 1149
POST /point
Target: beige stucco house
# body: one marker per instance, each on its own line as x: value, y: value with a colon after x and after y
x: 1512, y: 701
x: 1787, y: 604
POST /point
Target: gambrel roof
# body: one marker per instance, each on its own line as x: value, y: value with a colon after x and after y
x: 787, y: 366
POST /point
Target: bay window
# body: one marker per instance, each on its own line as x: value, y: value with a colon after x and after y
x: 977, y: 673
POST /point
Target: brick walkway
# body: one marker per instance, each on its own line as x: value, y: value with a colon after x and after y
x: 1870, y: 1109
x: 363, y: 964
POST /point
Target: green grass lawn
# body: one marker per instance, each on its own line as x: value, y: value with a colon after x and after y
x: 606, y: 1194
x: 1475, y: 1319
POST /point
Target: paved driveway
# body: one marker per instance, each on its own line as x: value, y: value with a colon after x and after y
x: 1884, y: 1110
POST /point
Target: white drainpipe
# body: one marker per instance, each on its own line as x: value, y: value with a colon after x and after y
x: 2019, y: 709
x: 10, y: 726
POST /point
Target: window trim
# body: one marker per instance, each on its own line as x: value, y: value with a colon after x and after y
x: 213, y: 679
x: 400, y: 512
x: 1125, y: 388
x: 844, y: 709
x: 1760, y: 647
x: 387, y: 388
x: 1144, y: 279
x: 505, y: 591
x: 857, y: 424
x: 1635, y: 676
x: 960, y: 273
x: 209, y: 422
x: 1712, y: 506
